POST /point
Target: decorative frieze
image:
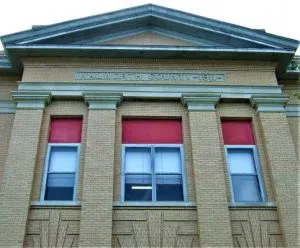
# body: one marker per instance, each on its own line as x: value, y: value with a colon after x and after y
x: 155, y: 228
x: 151, y: 76
x: 255, y: 227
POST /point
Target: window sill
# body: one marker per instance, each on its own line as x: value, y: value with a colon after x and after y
x: 154, y: 204
x: 56, y: 203
x: 252, y: 205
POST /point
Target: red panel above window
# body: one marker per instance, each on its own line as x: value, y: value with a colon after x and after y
x: 65, y: 130
x: 151, y: 131
x: 237, y: 132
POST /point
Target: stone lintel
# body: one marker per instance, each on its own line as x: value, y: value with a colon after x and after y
x: 269, y: 103
x: 31, y: 99
x: 200, y: 102
x: 103, y: 100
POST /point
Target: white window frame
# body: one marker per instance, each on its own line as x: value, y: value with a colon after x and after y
x: 258, y: 173
x: 46, y: 168
x: 153, y: 177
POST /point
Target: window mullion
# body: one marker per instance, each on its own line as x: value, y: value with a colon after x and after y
x: 153, y: 173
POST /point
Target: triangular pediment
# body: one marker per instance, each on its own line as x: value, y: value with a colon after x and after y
x: 149, y: 37
x: 145, y: 38
x: 168, y: 27
x: 149, y: 31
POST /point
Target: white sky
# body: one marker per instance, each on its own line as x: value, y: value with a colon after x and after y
x: 280, y: 17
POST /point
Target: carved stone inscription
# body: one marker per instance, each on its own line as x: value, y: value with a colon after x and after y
x: 151, y: 76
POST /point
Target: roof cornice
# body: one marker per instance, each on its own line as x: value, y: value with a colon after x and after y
x: 176, y: 52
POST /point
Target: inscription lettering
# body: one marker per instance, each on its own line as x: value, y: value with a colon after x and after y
x: 155, y: 76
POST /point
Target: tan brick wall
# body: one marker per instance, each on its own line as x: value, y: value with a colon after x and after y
x: 63, y: 69
x: 255, y: 227
x: 20, y: 165
x: 290, y: 89
x: 209, y: 173
x: 59, y: 109
x: 284, y: 167
x: 155, y: 227
x: 294, y: 123
x: 7, y: 84
x: 148, y: 39
x: 6, y: 123
x: 53, y: 227
x: 244, y: 110
x: 148, y: 110
x: 97, y: 196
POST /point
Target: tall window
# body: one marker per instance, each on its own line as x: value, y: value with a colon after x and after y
x: 243, y: 162
x: 152, y: 166
x: 61, y: 165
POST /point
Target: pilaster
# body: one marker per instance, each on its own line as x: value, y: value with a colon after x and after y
x: 282, y: 161
x: 97, y: 196
x: 20, y: 166
x: 211, y: 197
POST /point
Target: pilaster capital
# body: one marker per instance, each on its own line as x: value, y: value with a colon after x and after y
x: 102, y: 100
x: 31, y: 99
x: 200, y: 101
x: 269, y: 103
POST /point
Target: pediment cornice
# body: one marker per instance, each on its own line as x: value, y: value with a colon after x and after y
x: 211, y: 39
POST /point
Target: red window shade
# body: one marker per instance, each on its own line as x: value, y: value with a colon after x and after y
x: 65, y: 130
x: 237, y: 132
x: 135, y: 131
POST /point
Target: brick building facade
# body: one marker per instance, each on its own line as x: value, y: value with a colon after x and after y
x: 149, y: 127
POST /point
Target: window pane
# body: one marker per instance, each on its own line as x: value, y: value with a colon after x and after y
x: 137, y: 160
x: 246, y: 188
x: 169, y: 188
x: 138, y: 188
x: 167, y: 160
x: 63, y: 159
x: 241, y: 160
x: 60, y: 187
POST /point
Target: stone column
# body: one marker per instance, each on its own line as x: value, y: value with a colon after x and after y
x: 282, y: 161
x: 97, y: 198
x: 20, y: 166
x: 214, y: 225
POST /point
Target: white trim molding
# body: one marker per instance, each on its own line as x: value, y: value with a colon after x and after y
x: 31, y: 99
x: 102, y: 100
x: 292, y: 110
x: 269, y: 103
x: 200, y: 102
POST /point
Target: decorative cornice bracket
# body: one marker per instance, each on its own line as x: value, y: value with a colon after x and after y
x: 31, y: 99
x: 102, y: 100
x: 200, y: 102
x: 269, y: 103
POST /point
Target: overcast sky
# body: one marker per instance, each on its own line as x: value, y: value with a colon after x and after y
x: 280, y: 17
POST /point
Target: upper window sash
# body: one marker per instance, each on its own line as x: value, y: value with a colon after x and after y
x: 153, y: 173
x: 47, y: 164
x: 257, y: 169
x: 153, y: 145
